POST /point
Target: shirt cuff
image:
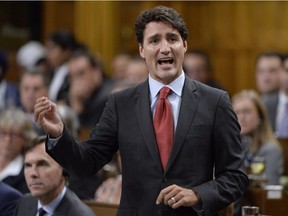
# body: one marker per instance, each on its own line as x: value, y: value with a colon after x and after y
x: 52, y: 142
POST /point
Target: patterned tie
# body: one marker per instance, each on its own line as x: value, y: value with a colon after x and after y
x: 42, y: 212
x: 283, y: 126
x: 163, y: 125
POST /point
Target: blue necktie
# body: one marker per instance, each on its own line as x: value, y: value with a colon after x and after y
x: 42, y: 212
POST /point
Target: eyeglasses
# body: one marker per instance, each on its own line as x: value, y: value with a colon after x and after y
x: 11, y: 134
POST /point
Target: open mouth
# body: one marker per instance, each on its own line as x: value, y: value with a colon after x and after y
x: 165, y: 61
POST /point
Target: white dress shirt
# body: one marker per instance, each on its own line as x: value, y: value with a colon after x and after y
x: 50, y: 208
x: 174, y: 98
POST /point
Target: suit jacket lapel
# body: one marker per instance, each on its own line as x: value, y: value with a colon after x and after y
x: 61, y: 209
x: 144, y: 117
x: 190, y: 100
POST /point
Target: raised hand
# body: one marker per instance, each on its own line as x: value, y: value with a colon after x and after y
x: 48, y: 117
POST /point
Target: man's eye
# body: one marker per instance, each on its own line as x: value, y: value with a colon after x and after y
x: 27, y: 165
x: 154, y: 41
x: 173, y: 39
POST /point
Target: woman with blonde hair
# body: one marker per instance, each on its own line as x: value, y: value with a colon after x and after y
x: 16, y: 130
x: 257, y: 135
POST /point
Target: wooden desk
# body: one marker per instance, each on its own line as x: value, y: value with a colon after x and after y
x: 274, y: 203
x: 102, y: 209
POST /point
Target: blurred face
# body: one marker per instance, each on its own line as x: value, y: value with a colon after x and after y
x: 83, y: 77
x: 268, y: 71
x: 12, y: 142
x: 163, y: 49
x: 136, y: 72
x: 247, y: 115
x: 56, y: 56
x: 195, y: 68
x: 43, y: 175
x: 119, y: 66
x: 31, y: 88
x: 284, y: 77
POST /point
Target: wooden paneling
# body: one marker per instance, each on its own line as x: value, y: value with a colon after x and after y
x: 57, y: 15
x: 97, y: 25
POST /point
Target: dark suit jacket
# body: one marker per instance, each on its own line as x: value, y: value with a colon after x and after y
x: 11, y: 96
x: 207, y: 137
x: 8, y: 199
x: 18, y: 182
x: 271, y: 102
x: 70, y: 205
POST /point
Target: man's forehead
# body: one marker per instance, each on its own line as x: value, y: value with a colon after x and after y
x: 155, y: 27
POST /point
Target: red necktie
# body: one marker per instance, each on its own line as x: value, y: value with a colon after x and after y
x: 163, y: 125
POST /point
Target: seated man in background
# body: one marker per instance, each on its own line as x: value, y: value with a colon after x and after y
x: 33, y: 84
x: 268, y: 68
x: 89, y: 90
x: 277, y: 103
x: 136, y: 71
x: 46, y: 180
x: 8, y: 199
x: 197, y: 66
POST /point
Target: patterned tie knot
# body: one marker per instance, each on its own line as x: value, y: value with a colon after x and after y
x: 164, y: 92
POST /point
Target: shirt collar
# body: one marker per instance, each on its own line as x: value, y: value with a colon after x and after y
x: 50, y: 207
x: 176, y: 85
x: 13, y: 168
x: 283, y: 99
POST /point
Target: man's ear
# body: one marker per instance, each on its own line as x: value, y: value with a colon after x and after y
x: 185, y: 45
x: 141, y: 50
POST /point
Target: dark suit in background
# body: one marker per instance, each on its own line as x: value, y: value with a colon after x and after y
x: 17, y: 181
x: 8, y: 199
x: 70, y: 205
x: 207, y: 137
x: 271, y: 102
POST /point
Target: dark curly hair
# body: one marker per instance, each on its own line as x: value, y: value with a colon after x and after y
x: 160, y: 14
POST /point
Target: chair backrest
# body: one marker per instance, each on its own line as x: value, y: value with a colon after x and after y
x: 102, y: 209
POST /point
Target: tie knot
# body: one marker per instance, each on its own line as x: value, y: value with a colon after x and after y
x: 164, y: 92
x: 42, y: 212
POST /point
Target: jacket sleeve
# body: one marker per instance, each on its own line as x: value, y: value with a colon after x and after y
x: 230, y: 180
x: 87, y: 158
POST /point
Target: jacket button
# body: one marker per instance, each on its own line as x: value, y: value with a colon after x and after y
x: 164, y: 178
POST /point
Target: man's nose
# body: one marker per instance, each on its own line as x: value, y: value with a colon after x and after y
x: 165, y: 47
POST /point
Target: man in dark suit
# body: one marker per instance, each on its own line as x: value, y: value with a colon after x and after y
x: 204, y: 172
x: 46, y: 181
x: 9, y: 92
x: 277, y: 103
x: 8, y: 199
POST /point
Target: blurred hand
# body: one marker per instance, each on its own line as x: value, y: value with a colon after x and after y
x: 181, y: 197
x: 48, y: 117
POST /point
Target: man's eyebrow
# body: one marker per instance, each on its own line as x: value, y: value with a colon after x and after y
x: 153, y: 36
